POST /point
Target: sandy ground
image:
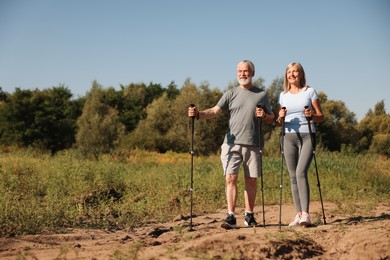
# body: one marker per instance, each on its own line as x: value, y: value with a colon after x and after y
x: 365, y: 234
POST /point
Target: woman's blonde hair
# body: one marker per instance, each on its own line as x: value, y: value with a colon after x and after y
x: 302, y: 83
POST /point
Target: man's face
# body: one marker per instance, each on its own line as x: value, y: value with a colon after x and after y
x: 244, y: 75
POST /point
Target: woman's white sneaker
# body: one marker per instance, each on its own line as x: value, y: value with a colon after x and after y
x: 305, y: 220
x: 295, y: 221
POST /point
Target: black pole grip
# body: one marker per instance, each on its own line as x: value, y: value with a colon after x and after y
x: 259, y: 106
x: 192, y: 105
x: 284, y: 108
x: 307, y: 118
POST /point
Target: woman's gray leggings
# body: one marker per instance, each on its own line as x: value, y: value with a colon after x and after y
x: 298, y: 153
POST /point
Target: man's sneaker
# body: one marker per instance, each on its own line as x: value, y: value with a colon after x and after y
x: 305, y: 220
x: 230, y: 222
x: 250, y: 220
x: 296, y: 221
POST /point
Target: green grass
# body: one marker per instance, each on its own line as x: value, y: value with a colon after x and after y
x: 40, y: 192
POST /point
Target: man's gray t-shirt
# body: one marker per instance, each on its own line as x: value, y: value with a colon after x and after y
x: 241, y: 103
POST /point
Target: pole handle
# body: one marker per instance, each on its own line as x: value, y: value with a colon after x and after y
x: 259, y: 124
x: 284, y: 108
x: 259, y: 105
x: 261, y: 119
x: 307, y: 118
x: 192, y: 105
x: 308, y: 123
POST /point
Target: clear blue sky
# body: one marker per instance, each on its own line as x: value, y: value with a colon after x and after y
x: 344, y: 45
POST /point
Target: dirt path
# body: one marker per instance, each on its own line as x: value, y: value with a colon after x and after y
x: 364, y: 234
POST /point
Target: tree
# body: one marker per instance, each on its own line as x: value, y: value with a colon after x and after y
x: 150, y: 133
x: 210, y: 133
x: 3, y: 95
x: 172, y: 91
x: 273, y: 94
x: 99, y: 127
x: 179, y: 132
x: 16, y: 119
x: 132, y: 105
x: 132, y: 100
x: 379, y: 109
x: 375, y: 130
x: 167, y: 126
x: 339, y: 126
x: 380, y: 144
x: 153, y: 91
x: 44, y: 119
x: 55, y: 118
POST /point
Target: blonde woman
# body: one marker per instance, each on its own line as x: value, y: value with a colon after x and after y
x: 298, y: 149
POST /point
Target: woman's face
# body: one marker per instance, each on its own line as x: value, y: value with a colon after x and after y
x: 294, y: 75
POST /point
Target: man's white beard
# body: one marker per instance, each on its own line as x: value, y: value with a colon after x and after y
x: 245, y: 82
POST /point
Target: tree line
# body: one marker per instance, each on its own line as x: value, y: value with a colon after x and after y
x: 153, y: 117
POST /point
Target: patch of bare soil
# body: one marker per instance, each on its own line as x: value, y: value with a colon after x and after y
x: 363, y: 235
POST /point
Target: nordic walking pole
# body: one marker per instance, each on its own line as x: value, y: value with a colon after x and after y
x: 259, y: 122
x: 281, y: 170
x: 315, y: 163
x: 192, y: 165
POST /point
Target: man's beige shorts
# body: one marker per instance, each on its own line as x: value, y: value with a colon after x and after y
x: 233, y: 155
